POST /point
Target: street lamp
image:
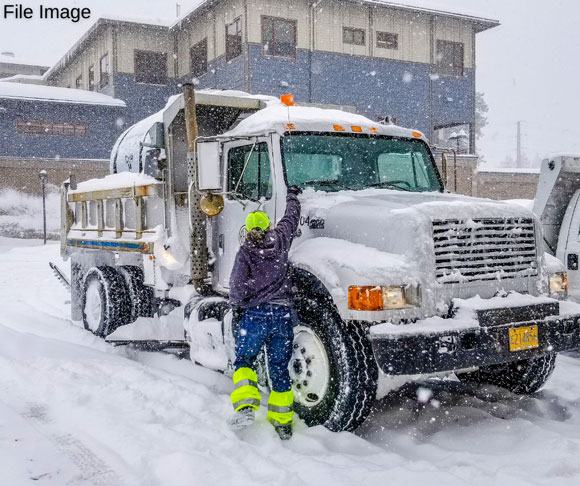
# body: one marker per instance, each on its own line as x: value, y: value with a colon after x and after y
x: 43, y: 177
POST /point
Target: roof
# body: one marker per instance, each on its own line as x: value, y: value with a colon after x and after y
x: 20, y: 61
x: 280, y: 118
x: 435, y: 8
x: 153, y: 22
x: 19, y: 91
x: 24, y: 78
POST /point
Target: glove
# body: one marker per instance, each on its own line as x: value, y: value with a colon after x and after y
x: 294, y: 190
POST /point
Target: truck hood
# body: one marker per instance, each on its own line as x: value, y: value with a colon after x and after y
x: 393, y: 221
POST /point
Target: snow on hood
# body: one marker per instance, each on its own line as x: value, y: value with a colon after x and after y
x: 395, y: 221
x: 324, y: 256
x: 276, y: 117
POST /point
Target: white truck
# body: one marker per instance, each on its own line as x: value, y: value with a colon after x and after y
x: 557, y: 206
x: 393, y: 275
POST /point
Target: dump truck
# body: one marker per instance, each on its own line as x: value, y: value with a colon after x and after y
x: 556, y: 206
x: 393, y: 276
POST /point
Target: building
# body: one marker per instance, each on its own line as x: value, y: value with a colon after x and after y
x: 58, y: 123
x: 11, y: 65
x: 413, y: 64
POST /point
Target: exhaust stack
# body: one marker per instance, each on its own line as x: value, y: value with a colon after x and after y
x: 198, y: 236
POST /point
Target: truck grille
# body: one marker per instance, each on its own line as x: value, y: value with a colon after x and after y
x: 484, y: 249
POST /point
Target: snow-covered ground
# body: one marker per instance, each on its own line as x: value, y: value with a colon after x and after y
x: 77, y: 411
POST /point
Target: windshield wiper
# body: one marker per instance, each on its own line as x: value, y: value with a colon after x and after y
x: 328, y: 182
x: 390, y: 184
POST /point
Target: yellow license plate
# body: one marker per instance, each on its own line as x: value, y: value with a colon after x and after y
x: 522, y: 338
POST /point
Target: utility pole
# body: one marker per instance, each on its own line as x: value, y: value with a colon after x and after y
x: 519, y: 149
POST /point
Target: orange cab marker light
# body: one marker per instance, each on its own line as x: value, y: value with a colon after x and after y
x: 290, y: 126
x: 417, y: 134
x: 287, y: 99
x: 356, y: 129
x: 338, y: 128
x: 373, y: 130
x: 365, y: 298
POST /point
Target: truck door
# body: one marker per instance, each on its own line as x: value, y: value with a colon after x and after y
x: 570, y: 237
x: 249, y: 187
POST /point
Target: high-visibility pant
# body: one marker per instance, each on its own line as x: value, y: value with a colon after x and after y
x: 246, y: 393
x: 280, y: 407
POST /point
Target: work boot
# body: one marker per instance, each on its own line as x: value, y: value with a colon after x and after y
x: 284, y: 431
x: 242, y: 418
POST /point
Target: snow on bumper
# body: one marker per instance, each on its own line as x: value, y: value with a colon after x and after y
x: 477, y: 335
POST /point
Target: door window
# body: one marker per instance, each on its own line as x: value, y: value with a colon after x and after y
x: 256, y: 181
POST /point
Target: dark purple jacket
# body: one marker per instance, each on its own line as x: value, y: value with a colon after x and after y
x: 260, y: 274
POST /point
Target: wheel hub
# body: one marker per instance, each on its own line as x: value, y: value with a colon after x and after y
x: 309, y: 367
x: 93, y: 306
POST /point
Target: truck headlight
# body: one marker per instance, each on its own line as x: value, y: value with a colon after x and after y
x: 374, y: 298
x: 558, y: 284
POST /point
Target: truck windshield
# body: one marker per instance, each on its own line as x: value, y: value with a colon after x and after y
x: 338, y: 162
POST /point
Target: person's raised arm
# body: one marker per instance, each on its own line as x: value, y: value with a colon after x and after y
x: 287, y: 226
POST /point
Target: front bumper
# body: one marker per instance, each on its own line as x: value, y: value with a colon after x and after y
x: 484, y: 344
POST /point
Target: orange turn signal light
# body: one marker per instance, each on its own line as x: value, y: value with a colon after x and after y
x: 365, y: 298
x: 287, y: 99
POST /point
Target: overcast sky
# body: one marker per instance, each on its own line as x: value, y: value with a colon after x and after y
x: 528, y: 68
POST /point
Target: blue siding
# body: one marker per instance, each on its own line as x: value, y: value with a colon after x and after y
x: 376, y: 87
x: 101, y: 121
x: 142, y: 99
x: 222, y: 75
x: 453, y: 101
x: 278, y: 76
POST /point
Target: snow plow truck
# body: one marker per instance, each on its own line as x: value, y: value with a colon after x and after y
x: 393, y: 276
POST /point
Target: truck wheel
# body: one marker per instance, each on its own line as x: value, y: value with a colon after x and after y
x: 105, y: 304
x: 140, y: 296
x: 333, y: 370
x: 522, y: 377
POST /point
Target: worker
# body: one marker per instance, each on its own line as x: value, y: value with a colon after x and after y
x: 261, y: 296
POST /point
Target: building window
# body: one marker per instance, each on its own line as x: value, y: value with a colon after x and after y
x: 92, y: 78
x: 62, y: 129
x: 387, y: 40
x: 79, y: 82
x: 449, y: 58
x: 234, y: 39
x: 198, y: 59
x: 150, y: 67
x: 104, y: 65
x: 353, y: 36
x: 279, y: 37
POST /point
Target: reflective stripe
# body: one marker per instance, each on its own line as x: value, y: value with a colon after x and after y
x: 246, y: 392
x: 247, y: 401
x: 241, y: 383
x: 277, y: 409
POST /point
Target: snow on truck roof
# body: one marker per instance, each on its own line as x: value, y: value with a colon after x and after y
x: 281, y: 118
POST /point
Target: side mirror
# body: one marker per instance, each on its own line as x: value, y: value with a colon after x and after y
x: 209, y: 176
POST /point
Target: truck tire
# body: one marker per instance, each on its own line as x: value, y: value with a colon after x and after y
x: 521, y: 377
x: 332, y: 368
x: 105, y: 304
x: 140, y: 296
